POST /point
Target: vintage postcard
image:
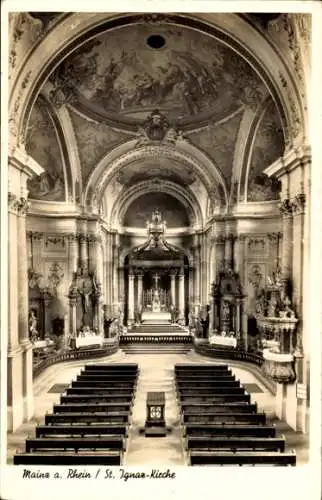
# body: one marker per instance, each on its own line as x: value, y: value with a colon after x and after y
x: 161, y: 249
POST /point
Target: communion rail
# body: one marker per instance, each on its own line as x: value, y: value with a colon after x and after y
x: 73, y: 355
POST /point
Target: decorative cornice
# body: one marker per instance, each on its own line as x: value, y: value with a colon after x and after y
x: 292, y: 159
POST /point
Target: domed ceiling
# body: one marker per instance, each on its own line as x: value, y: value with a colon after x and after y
x: 126, y: 73
x: 107, y: 89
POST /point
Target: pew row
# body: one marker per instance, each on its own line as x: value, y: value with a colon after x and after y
x: 89, y: 418
x: 236, y: 443
x: 196, y: 408
x: 95, y: 408
x: 222, y: 418
x: 92, y: 398
x: 242, y: 458
x: 69, y: 458
x: 188, y: 397
x: 229, y: 429
x: 82, y: 430
x: 65, y: 443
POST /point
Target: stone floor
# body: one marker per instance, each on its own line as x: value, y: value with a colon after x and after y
x: 156, y: 373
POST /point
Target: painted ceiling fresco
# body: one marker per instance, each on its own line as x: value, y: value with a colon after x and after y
x: 156, y: 168
x: 173, y: 212
x: 269, y: 145
x: 94, y: 140
x: 218, y: 141
x: 42, y: 144
x: 190, y: 78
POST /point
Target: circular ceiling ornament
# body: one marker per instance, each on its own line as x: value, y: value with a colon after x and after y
x: 156, y: 41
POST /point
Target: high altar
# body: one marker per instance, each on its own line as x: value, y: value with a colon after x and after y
x: 157, y: 270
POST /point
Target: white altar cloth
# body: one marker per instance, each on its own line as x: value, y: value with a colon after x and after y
x: 89, y: 340
x: 219, y: 340
x: 41, y: 344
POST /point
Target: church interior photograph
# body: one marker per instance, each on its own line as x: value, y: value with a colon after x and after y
x: 159, y: 192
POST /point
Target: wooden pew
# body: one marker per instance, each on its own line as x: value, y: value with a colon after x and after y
x: 217, y: 418
x: 66, y: 458
x: 114, y: 367
x: 100, y: 385
x: 108, y: 378
x: 99, y: 391
x: 236, y: 443
x: 214, y: 384
x: 242, y: 458
x: 94, y: 371
x: 93, y: 407
x: 205, y: 379
x: 92, y: 398
x: 196, y: 408
x: 90, y: 418
x: 82, y: 430
x: 216, y: 390
x: 65, y: 443
x: 229, y: 430
x: 200, y: 367
x: 216, y: 398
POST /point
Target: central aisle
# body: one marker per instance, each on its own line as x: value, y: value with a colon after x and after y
x: 141, y: 450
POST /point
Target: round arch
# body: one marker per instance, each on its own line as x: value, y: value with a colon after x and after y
x: 183, y: 152
x: 186, y: 197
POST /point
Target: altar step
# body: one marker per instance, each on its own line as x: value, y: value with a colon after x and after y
x: 156, y: 348
x: 157, y: 328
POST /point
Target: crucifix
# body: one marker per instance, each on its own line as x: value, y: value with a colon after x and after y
x: 156, y: 278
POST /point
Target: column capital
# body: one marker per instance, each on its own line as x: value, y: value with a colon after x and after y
x: 82, y: 237
x: 71, y: 237
x: 241, y: 237
x: 274, y: 236
x: 173, y: 273
x: 220, y: 238
x: 285, y: 208
x: 17, y: 205
x: 298, y: 204
x: 131, y: 273
x: 94, y: 238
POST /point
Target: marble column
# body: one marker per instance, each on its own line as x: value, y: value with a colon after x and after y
x: 173, y: 287
x: 14, y: 356
x: 83, y: 241
x: 287, y: 243
x: 212, y: 311
x: 237, y: 319
x: 140, y: 290
x: 197, y: 275
x: 19, y: 348
x: 115, y: 272
x: 181, y: 296
x: 298, y: 206
x: 220, y: 252
x: 244, y: 325
x: 229, y: 250
x: 72, y: 255
x: 130, y: 314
